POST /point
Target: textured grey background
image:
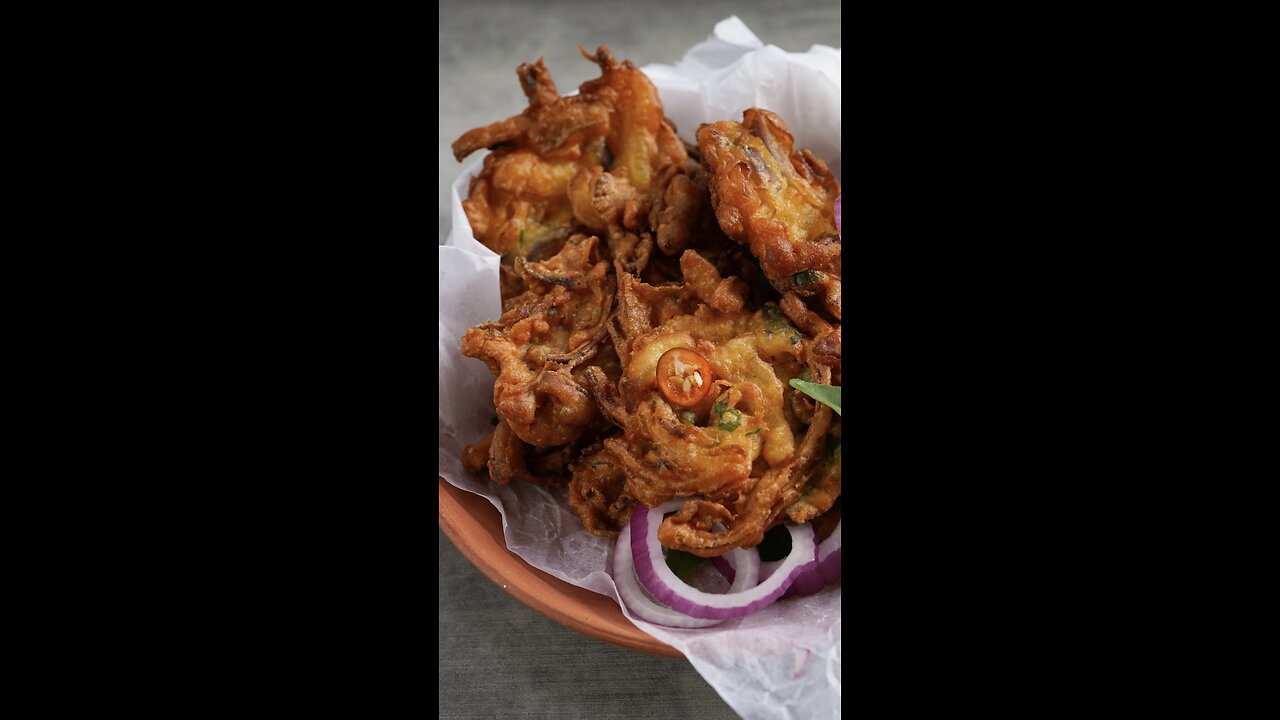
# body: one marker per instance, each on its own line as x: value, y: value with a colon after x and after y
x: 498, y: 658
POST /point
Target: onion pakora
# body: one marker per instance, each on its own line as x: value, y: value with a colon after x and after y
x: 586, y: 160
x: 638, y: 357
x: 778, y: 200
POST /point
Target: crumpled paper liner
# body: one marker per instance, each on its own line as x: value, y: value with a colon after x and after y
x: 780, y: 662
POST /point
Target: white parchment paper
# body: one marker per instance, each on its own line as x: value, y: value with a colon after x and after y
x: 783, y: 661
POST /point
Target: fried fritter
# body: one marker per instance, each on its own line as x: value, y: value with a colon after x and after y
x: 735, y: 451
x: 778, y: 201
x: 641, y: 140
x: 533, y: 348
x: 597, y: 493
x: 585, y: 160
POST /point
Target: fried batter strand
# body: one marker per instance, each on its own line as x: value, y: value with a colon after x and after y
x: 825, y: 348
x: 824, y: 487
x: 587, y: 159
x: 597, y: 493
x: 688, y: 529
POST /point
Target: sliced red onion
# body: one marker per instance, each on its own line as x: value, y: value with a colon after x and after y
x: 825, y: 572
x: 725, y: 565
x: 624, y: 577
x: 829, y: 556
x: 838, y: 214
x: 726, y: 568
x: 657, y: 578
x: 807, y: 583
x: 639, y: 603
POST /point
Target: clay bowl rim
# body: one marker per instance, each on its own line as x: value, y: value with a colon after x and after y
x: 474, y: 526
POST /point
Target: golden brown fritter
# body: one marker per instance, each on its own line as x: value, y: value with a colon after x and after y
x: 536, y: 344
x: 597, y: 493
x: 778, y: 201
x: 519, y: 201
x: 585, y: 160
x: 735, y: 451
x: 641, y: 140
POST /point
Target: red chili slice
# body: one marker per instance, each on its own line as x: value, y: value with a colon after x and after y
x: 684, y: 377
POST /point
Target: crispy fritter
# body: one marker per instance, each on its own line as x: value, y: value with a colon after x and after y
x: 519, y: 201
x: 597, y: 493
x: 584, y: 160
x: 533, y: 348
x: 640, y: 138
x: 737, y: 454
x: 778, y: 201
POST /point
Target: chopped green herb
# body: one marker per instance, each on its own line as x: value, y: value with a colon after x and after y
x: 719, y: 407
x: 754, y: 432
x: 804, y: 277
x: 688, y: 417
x: 774, y: 317
x: 730, y: 420
x: 828, y: 395
x: 683, y: 563
x: 521, y: 241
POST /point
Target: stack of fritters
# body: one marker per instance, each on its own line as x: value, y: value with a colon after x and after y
x: 657, y: 298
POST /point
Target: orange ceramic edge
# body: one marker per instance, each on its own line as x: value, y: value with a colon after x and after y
x: 592, y: 614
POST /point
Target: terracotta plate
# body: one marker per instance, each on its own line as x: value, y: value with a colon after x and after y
x: 475, y: 527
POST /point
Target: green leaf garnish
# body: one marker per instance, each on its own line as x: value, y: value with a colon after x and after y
x: 805, y: 277
x: 828, y: 395
x: 774, y: 317
x: 682, y: 563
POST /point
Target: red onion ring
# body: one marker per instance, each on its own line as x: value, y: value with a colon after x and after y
x: 634, y: 597
x: 827, y: 569
x: 829, y: 556
x: 663, y: 585
x: 725, y: 565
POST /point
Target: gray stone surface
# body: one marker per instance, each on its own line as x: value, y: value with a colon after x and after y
x: 498, y: 658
